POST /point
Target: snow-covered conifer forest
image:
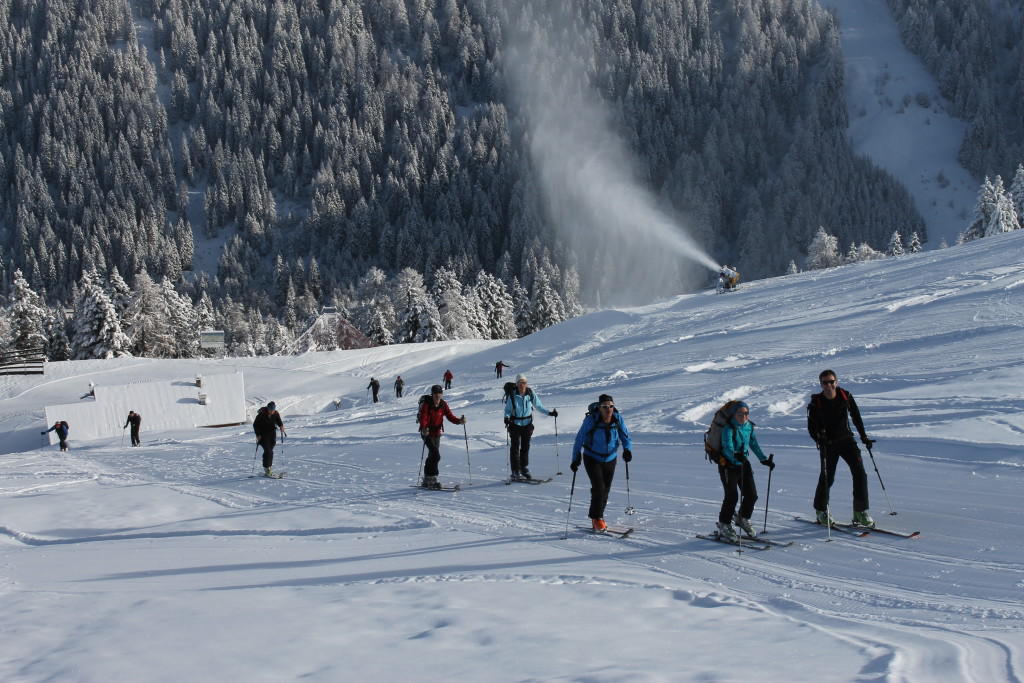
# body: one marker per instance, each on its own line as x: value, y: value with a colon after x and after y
x: 241, y: 166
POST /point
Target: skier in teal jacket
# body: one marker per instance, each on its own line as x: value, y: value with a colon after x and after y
x: 738, y: 440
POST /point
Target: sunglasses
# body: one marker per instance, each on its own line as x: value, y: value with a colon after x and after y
x: 743, y: 412
x: 606, y: 407
x: 828, y: 381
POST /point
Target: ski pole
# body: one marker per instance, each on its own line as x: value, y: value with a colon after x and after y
x: 465, y: 435
x: 122, y: 437
x: 768, y: 494
x: 254, y: 457
x: 630, y: 510
x: 558, y: 472
x: 823, y: 481
x: 888, y: 502
x: 572, y: 489
x: 508, y: 456
x: 422, y: 452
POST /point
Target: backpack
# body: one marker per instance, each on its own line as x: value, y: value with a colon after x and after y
x: 67, y: 428
x: 510, y: 391
x: 713, y: 436
x: 424, y: 400
x: 596, y: 423
x: 259, y: 423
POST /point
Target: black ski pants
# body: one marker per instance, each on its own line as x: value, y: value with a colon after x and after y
x: 375, y: 393
x: 519, y: 452
x: 601, y: 475
x: 433, y: 455
x: 739, y: 486
x: 135, y: 436
x: 268, y: 441
x: 830, y: 454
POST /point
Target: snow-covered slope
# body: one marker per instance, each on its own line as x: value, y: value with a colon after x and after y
x: 169, y: 561
x: 899, y: 120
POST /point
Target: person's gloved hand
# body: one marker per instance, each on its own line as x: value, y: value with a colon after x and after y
x: 462, y: 420
x: 508, y: 421
x: 574, y: 465
x: 424, y: 432
x: 770, y: 464
x: 554, y: 413
x: 627, y: 455
x: 867, y: 442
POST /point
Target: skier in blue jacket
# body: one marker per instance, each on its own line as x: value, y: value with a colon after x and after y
x: 61, y: 427
x: 738, y: 440
x: 597, y: 443
x: 519, y: 405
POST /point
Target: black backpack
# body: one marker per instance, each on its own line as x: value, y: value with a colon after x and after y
x: 424, y: 400
x: 510, y: 390
x: 67, y: 428
x: 713, y: 436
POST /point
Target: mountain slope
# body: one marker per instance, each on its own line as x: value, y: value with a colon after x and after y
x: 342, y: 570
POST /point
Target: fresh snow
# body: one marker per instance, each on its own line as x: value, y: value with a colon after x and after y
x: 170, y: 562
x: 919, y: 145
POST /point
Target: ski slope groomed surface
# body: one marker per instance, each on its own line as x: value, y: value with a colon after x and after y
x: 170, y: 562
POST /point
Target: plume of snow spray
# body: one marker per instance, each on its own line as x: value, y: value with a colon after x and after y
x: 628, y: 249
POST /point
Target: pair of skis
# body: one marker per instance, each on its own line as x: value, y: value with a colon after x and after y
x: 859, y: 530
x: 748, y: 542
x: 611, y: 530
x: 509, y: 482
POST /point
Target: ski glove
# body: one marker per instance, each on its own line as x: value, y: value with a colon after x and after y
x: 574, y: 465
x: 770, y: 464
x: 424, y: 432
x: 508, y: 421
x: 627, y: 455
x: 867, y: 442
x: 553, y: 413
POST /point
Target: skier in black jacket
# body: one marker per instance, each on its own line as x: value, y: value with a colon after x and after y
x: 828, y: 423
x: 135, y: 420
x: 266, y: 424
x: 374, y: 386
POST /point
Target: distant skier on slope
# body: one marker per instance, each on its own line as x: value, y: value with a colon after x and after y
x: 498, y: 367
x: 266, y: 424
x: 597, y: 444
x: 399, y: 385
x: 62, y: 428
x: 448, y: 377
x: 520, y: 400
x: 432, y: 413
x: 374, y: 387
x: 135, y: 420
x: 828, y: 423
x: 737, y: 477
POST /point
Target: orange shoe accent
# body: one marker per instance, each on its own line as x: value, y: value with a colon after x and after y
x: 599, y: 525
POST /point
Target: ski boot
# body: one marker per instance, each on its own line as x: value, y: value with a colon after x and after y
x: 599, y: 524
x: 862, y: 518
x: 726, y: 532
x: 744, y: 524
x: 824, y: 518
x: 525, y: 474
x: 431, y: 483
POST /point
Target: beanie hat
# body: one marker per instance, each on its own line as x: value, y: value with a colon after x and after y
x: 605, y: 398
x: 436, y: 389
x: 272, y: 406
x: 736, y: 406
x: 520, y: 378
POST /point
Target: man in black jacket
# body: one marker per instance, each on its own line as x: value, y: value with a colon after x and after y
x: 266, y: 424
x: 135, y: 420
x: 828, y: 423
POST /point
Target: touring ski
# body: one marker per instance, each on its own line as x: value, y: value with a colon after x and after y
x: 616, y: 531
x: 901, y: 534
x: 527, y: 481
x: 837, y: 526
x: 750, y: 545
x: 275, y: 475
x: 762, y: 539
x: 457, y: 487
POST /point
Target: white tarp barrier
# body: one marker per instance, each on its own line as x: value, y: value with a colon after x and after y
x: 163, y: 405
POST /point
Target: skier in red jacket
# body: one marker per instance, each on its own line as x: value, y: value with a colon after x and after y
x: 433, y: 411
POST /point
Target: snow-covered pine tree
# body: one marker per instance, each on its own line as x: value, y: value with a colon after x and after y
x: 451, y: 304
x: 56, y: 330
x: 27, y: 316
x: 521, y: 308
x: 823, y: 251
x: 895, y: 247
x: 547, y: 308
x: 182, y: 322
x: 1004, y: 217
x: 376, y: 313
x: 1017, y: 192
x: 915, y: 243
x: 418, y: 318
x: 120, y: 294
x: 792, y: 269
x: 851, y: 254
x: 97, y: 329
x: 865, y: 252
x: 984, y: 208
x: 147, y: 319
x: 495, y: 306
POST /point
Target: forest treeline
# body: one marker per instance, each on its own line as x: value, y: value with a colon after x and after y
x: 382, y: 134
